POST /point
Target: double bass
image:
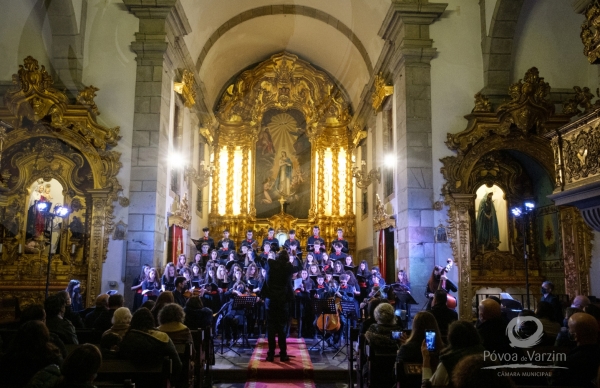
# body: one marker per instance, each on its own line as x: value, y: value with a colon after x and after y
x: 451, y: 301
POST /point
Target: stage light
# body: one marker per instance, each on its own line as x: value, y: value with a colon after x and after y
x: 529, y: 205
x: 516, y: 211
x: 61, y: 211
x: 43, y: 207
x: 176, y: 160
x: 389, y: 160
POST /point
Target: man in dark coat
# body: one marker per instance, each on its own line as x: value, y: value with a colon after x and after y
x: 443, y: 315
x: 548, y: 296
x: 278, y: 293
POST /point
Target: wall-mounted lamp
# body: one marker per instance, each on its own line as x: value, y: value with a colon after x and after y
x: 202, y: 177
x: 364, y: 179
x: 390, y: 160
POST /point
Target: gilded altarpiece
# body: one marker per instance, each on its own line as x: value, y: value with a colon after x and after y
x: 54, y: 151
x: 283, y: 153
x: 488, y: 156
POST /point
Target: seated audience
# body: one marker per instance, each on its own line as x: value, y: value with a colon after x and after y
x: 55, y: 309
x: 545, y: 313
x: 163, y: 299
x: 463, y: 341
x: 145, y: 346
x: 80, y: 368
x: 469, y: 373
x: 104, y: 321
x: 70, y: 314
x: 492, y: 327
x: 101, y: 306
x: 371, y: 306
x: 171, y: 322
x: 410, y: 351
x: 443, y: 315
x: 379, y: 334
x: 30, y: 352
x: 196, y: 315
x: 582, y: 361
x: 36, y: 312
x: 580, y: 301
x: 563, y: 339
x: 120, y: 322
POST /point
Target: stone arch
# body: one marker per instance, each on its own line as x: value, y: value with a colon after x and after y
x: 497, y: 45
x: 285, y: 10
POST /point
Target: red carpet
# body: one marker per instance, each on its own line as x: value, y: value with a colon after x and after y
x: 296, y: 373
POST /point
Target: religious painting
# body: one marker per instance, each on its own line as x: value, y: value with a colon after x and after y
x: 52, y: 193
x: 548, y: 233
x: 491, y: 216
x: 283, y: 165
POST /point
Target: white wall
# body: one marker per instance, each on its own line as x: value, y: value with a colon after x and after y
x: 24, y: 30
x: 109, y: 64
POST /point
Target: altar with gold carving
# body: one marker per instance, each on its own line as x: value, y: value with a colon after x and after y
x: 283, y: 153
x: 53, y: 150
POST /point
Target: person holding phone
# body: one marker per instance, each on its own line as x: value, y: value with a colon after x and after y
x: 463, y: 341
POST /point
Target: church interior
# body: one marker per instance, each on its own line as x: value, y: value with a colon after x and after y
x: 415, y: 126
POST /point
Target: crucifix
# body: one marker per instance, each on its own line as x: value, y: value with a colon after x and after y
x: 282, y: 201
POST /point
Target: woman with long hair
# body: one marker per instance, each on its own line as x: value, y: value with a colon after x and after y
x: 310, y: 260
x: 410, y: 351
x: 222, y: 278
x: 434, y: 284
x: 326, y: 264
x: 181, y: 263
x: 151, y: 286
x: 136, y: 286
x: 164, y: 299
x: 196, y: 275
x: 168, y: 278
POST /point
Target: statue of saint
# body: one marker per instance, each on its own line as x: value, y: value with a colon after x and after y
x: 283, y: 182
x: 488, y: 235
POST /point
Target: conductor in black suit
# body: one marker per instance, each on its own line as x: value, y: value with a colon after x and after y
x: 278, y: 294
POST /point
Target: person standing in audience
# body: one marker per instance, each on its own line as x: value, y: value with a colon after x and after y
x: 145, y: 346
x: 549, y: 297
x: 55, y: 309
x: 443, y: 315
x: 30, y: 352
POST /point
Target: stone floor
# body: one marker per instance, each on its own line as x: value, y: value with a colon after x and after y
x: 230, y: 369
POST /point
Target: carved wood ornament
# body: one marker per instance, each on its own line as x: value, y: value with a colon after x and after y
x: 56, y: 139
x: 485, y: 155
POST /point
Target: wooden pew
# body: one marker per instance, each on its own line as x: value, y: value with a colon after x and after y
x: 148, y: 377
x: 381, y: 367
x: 408, y: 375
x: 88, y: 336
x: 186, y: 376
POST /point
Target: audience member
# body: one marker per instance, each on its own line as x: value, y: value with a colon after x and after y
x: 594, y: 311
x: 30, y: 352
x: 120, y: 322
x: 443, y: 315
x: 491, y: 327
x: 549, y: 297
x: 145, y: 346
x: 149, y: 304
x: 410, y: 351
x: 104, y: 321
x: 36, y: 312
x: 580, y: 301
x: 70, y: 314
x: 546, y: 314
x: 171, y: 322
x: 55, y: 309
x: 379, y: 334
x: 163, y: 299
x: 469, y: 373
x: 80, y: 368
x: 196, y: 315
x: 563, y: 339
x: 463, y: 341
x: 582, y: 362
x: 101, y: 306
x: 371, y: 306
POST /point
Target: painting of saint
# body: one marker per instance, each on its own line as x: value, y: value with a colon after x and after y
x: 283, y: 163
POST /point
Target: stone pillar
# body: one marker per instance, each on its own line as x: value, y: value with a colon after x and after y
x: 148, y: 185
x: 406, y: 28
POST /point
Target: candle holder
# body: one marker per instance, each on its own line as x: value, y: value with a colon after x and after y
x: 364, y: 178
x: 201, y: 177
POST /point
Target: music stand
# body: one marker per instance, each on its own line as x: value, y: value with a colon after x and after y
x: 223, y: 335
x: 348, y: 309
x: 323, y: 306
x: 247, y: 303
x: 407, y: 299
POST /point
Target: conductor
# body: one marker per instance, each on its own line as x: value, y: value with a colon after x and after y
x: 278, y: 294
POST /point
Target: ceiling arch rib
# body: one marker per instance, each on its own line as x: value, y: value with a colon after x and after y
x: 296, y: 10
x: 258, y: 39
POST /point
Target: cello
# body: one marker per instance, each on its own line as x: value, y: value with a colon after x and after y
x: 451, y: 300
x: 330, y: 322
